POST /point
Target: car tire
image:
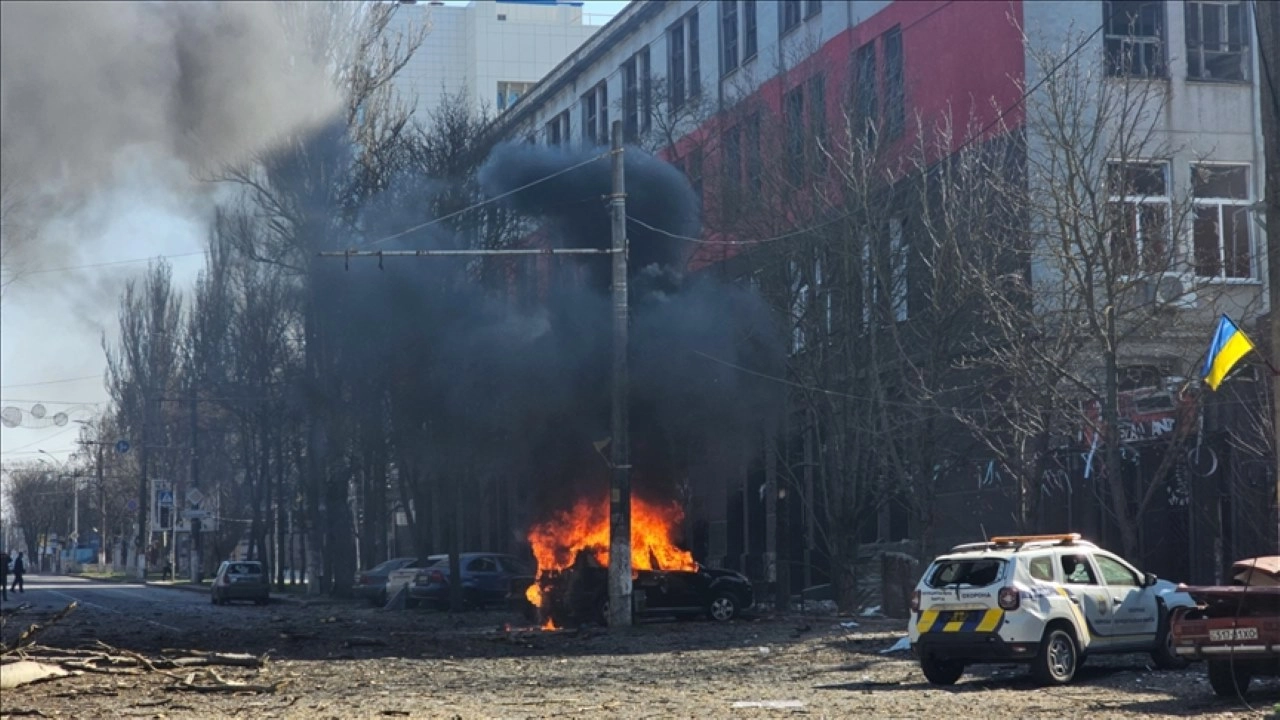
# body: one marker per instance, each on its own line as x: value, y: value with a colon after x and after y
x: 941, y: 672
x: 1162, y: 654
x: 1228, y: 680
x: 1058, y: 659
x: 723, y: 607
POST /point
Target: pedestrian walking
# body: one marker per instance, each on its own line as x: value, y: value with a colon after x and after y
x: 19, y: 569
x: 4, y: 575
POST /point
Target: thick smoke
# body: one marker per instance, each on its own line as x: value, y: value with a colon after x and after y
x: 538, y: 375
x: 118, y: 104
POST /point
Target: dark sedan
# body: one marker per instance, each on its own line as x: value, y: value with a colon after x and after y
x: 372, y: 583
x: 486, y: 580
x: 580, y: 594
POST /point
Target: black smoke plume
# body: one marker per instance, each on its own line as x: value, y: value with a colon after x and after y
x: 525, y: 386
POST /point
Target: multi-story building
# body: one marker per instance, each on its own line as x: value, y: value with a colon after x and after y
x: 699, y: 83
x: 492, y: 52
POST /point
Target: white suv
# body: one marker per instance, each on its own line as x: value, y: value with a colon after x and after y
x: 1048, y: 600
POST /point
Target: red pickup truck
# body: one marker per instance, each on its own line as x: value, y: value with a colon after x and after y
x: 1234, y: 628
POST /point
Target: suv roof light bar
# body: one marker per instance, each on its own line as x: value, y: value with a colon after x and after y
x: 1019, y: 541
x: 1061, y: 539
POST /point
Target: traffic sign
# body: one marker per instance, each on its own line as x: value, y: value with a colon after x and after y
x: 165, y: 498
x: 194, y: 496
x: 132, y: 505
x: 122, y: 446
x: 196, y: 514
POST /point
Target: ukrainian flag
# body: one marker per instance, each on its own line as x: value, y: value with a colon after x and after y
x: 1229, y: 345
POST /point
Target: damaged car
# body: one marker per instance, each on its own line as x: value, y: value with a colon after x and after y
x: 580, y: 594
x: 1234, y: 628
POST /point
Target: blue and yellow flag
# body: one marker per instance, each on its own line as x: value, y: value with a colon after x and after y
x: 1229, y: 345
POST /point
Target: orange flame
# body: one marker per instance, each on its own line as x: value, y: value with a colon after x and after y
x: 585, y: 527
x: 549, y: 625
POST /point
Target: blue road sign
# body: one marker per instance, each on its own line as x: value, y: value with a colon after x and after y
x: 122, y: 446
x: 165, y: 498
x: 132, y: 505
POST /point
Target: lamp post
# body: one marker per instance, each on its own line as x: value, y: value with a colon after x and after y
x: 75, y: 512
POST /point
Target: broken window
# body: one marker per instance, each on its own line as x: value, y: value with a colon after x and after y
x: 1138, y: 217
x: 1134, y: 38
x: 1222, y: 243
x: 1217, y: 40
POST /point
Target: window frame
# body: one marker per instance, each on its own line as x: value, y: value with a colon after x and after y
x: 1138, y: 202
x: 645, y: 71
x: 729, y: 37
x: 590, y: 117
x: 1196, y: 53
x: 631, y: 99
x: 812, y: 9
x: 790, y: 16
x: 1118, y: 48
x: 750, y: 32
x: 1240, y: 205
x: 895, y: 90
x: 1098, y: 560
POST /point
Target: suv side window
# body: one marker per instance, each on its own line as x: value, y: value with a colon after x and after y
x: 1113, y: 573
x: 1041, y: 568
x: 1077, y: 570
x: 482, y: 564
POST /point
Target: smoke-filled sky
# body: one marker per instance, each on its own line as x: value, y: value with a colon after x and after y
x: 109, y: 114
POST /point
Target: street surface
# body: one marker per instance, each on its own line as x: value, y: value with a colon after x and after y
x: 332, y: 659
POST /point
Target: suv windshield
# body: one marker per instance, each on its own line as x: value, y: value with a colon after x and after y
x: 973, y: 573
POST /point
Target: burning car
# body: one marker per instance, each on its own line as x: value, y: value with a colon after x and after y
x: 571, y: 585
x: 1234, y: 628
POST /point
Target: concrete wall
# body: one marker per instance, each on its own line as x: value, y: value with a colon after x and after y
x: 475, y: 47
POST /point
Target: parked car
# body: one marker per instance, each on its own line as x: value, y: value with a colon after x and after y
x: 580, y: 594
x: 240, y: 580
x: 1045, y: 600
x: 1234, y: 628
x: 372, y: 583
x: 403, y: 577
x: 486, y: 580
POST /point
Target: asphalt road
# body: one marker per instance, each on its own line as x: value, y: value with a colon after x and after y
x: 114, y: 603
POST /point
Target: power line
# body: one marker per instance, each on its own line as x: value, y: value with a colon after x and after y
x: 487, y: 201
x: 69, y: 268
x: 50, y: 382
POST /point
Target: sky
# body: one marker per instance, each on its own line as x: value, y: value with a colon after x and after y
x: 53, y: 317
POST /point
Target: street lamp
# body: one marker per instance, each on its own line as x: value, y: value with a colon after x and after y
x: 75, y: 512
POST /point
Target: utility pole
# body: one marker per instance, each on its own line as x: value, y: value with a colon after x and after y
x: 197, y: 555
x: 620, y: 457
x: 102, y: 510
x: 620, y: 487
x: 1267, y: 27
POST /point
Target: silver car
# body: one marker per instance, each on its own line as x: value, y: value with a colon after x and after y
x: 240, y: 580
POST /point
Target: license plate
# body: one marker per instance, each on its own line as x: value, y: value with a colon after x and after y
x: 960, y: 616
x: 1244, y: 633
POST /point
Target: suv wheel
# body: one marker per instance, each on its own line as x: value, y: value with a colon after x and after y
x: 1162, y: 654
x: 723, y: 607
x: 1228, y: 680
x: 1058, y: 659
x: 941, y: 672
